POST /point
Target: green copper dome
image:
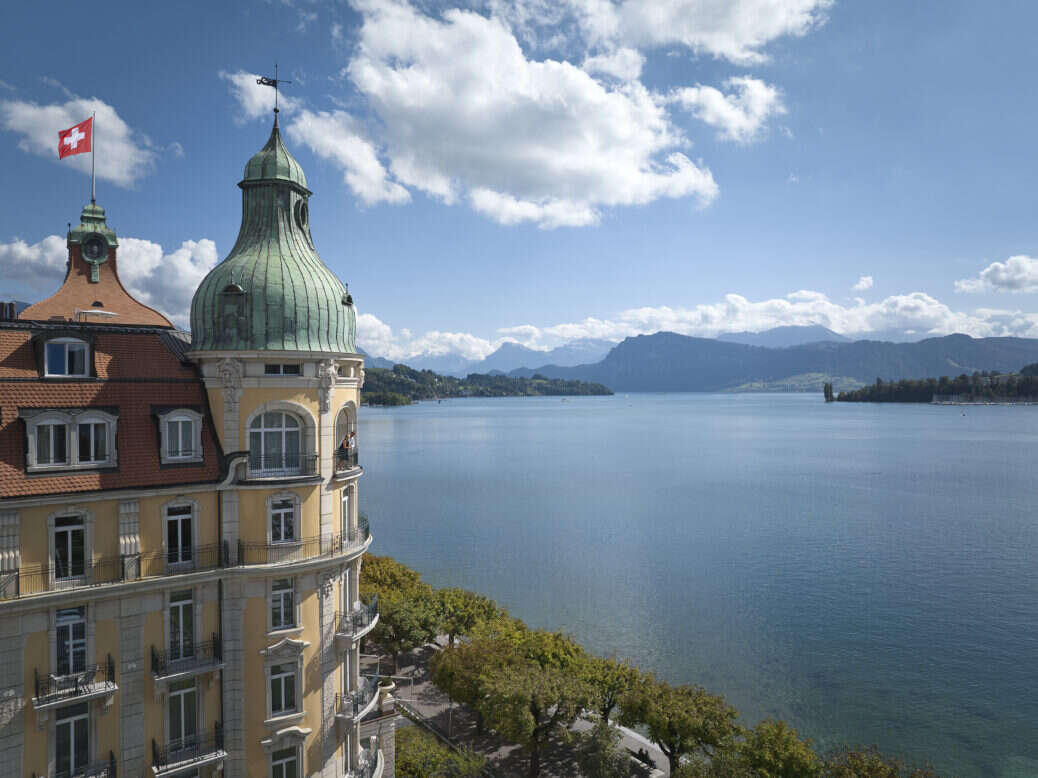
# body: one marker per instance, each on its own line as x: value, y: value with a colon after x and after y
x: 273, y: 292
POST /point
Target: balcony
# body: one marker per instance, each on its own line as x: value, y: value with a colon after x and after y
x: 40, y: 579
x: 355, y: 705
x: 186, y: 661
x: 89, y: 683
x: 188, y: 752
x: 103, y: 768
x: 302, y: 549
x: 358, y: 622
x: 280, y: 467
x: 371, y: 763
x: 346, y: 462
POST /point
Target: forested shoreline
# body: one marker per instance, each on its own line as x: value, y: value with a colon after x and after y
x: 403, y: 385
x: 530, y: 686
x: 984, y: 387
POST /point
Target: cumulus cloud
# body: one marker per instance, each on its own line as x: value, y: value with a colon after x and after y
x: 624, y: 63
x: 164, y: 281
x: 865, y: 282
x: 1017, y: 274
x: 915, y: 312
x: 338, y: 138
x: 735, y: 30
x: 467, y: 116
x: 255, y: 100
x: 738, y: 116
x: 123, y: 155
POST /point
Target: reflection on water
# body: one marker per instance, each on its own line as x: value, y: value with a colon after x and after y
x: 868, y: 572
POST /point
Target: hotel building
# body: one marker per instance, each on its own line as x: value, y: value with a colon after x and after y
x: 180, y: 542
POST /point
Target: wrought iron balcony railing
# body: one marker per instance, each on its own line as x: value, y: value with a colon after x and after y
x: 192, y: 748
x: 182, y: 659
x: 346, y: 460
x: 352, y: 705
x: 102, y: 768
x: 92, y: 680
x: 284, y: 465
x: 368, y: 763
x: 357, y: 620
x: 301, y: 548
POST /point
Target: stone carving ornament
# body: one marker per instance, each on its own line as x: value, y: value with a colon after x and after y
x: 326, y: 384
x: 231, y: 372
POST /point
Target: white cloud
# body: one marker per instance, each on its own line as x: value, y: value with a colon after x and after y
x: 338, y: 138
x: 736, y: 30
x: 255, y: 100
x: 164, y: 281
x: 466, y: 115
x: 865, y: 282
x: 123, y: 155
x: 624, y: 63
x: 915, y: 312
x: 336, y: 32
x: 741, y: 114
x: 1017, y: 274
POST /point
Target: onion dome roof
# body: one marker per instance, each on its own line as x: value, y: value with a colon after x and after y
x: 273, y: 292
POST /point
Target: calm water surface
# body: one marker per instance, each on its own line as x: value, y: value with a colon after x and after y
x: 867, y: 572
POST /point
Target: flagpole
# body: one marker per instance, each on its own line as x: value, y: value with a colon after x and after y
x: 93, y: 149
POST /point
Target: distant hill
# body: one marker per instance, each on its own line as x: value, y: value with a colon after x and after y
x: 666, y: 361
x: 784, y: 337
x: 370, y: 361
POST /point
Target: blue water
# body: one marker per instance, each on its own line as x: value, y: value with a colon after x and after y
x: 867, y: 572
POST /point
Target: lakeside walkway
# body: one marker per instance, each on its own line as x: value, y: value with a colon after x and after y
x: 458, y: 723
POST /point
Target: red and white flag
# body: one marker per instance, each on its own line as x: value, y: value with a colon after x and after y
x: 76, y: 140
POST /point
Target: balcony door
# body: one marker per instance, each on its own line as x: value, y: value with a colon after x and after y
x: 275, y: 443
x: 69, y: 547
x: 71, y: 640
x: 179, y: 536
x: 72, y: 739
x: 181, y: 626
x: 183, y: 716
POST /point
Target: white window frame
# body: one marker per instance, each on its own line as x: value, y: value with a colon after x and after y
x: 262, y: 429
x: 58, y: 721
x: 192, y: 685
x: 67, y: 343
x: 274, y: 763
x: 180, y: 415
x: 72, y: 420
x: 274, y: 595
x: 195, y: 618
x: 297, y: 503
x: 180, y: 505
x: 64, y: 618
x: 280, y: 371
x: 86, y: 522
x: 272, y: 676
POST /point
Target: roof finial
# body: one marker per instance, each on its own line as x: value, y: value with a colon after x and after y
x: 274, y: 82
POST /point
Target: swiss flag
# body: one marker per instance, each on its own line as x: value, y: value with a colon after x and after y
x: 76, y: 140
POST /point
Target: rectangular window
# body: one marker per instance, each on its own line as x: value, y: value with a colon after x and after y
x: 180, y: 438
x: 66, y: 359
x: 181, y: 626
x: 179, y: 550
x: 51, y: 448
x: 281, y: 369
x: 93, y: 442
x: 283, y: 764
x: 183, y: 715
x: 69, y: 547
x: 282, y: 604
x: 283, y: 521
x: 282, y: 689
x: 71, y: 739
x: 71, y: 639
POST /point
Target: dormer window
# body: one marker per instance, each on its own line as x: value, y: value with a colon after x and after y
x: 181, y: 432
x: 51, y: 444
x: 60, y: 439
x: 280, y: 369
x: 66, y: 357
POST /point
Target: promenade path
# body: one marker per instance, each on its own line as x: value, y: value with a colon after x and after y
x: 458, y: 723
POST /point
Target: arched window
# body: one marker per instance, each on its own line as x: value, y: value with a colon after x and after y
x: 275, y: 443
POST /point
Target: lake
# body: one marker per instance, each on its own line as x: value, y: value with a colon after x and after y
x: 867, y: 572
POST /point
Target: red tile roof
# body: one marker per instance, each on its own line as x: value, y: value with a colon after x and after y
x: 135, y: 371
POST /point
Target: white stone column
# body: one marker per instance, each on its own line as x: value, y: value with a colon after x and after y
x: 329, y: 664
x: 130, y: 538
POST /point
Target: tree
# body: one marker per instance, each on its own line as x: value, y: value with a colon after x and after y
x: 681, y: 720
x: 773, y: 749
x: 528, y: 704
x: 609, y: 681
x: 462, y: 610
x: 868, y: 762
x: 420, y: 755
x: 383, y: 575
x: 600, y: 753
x: 405, y: 620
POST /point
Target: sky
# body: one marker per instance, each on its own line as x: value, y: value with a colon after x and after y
x: 539, y: 171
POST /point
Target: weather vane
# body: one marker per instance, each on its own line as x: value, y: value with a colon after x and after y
x: 274, y: 82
